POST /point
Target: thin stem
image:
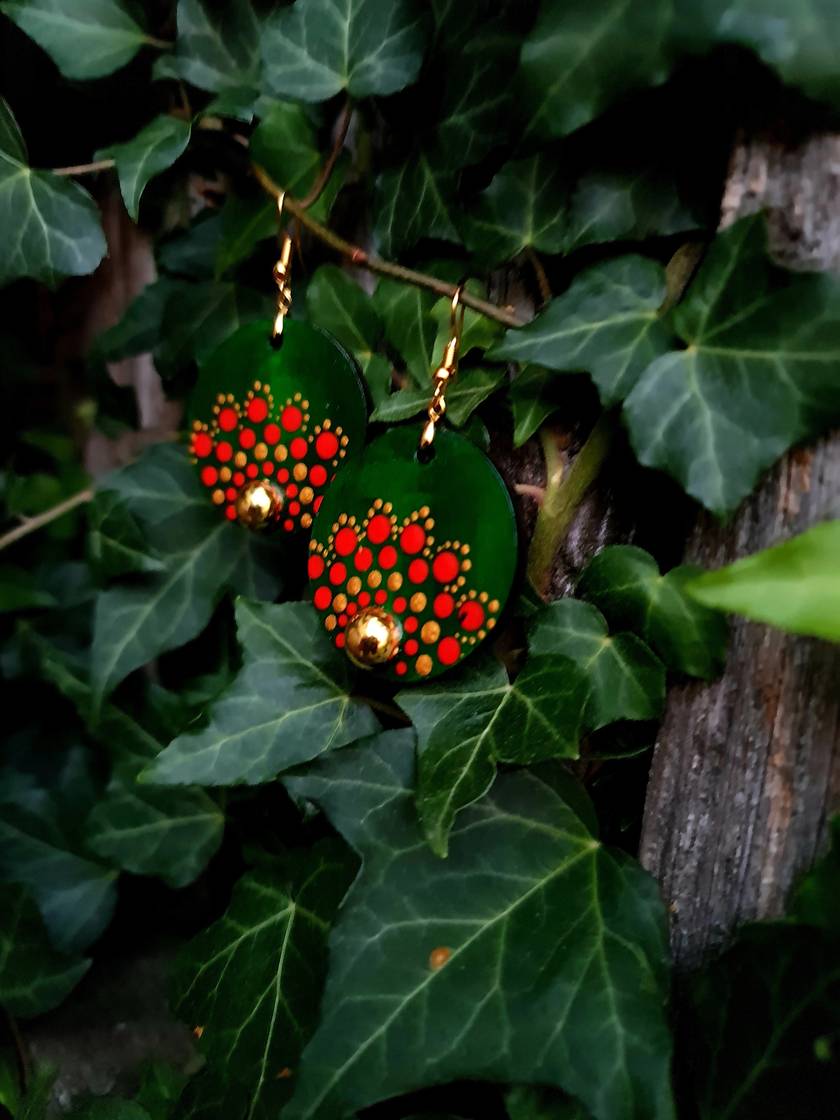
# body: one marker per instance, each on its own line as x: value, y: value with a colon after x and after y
x: 33, y: 524
x: 85, y: 168
x: 326, y: 171
x: 564, y: 491
x: 540, y: 273
x: 358, y: 256
x: 161, y: 44
x: 20, y: 1050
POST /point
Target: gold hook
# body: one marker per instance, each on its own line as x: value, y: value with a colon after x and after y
x: 282, y: 272
x: 445, y: 372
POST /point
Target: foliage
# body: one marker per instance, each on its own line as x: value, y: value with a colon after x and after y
x: 393, y: 894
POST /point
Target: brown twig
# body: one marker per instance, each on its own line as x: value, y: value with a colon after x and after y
x: 317, y: 188
x: 33, y: 524
x: 85, y: 168
x: 540, y: 273
x: 362, y: 259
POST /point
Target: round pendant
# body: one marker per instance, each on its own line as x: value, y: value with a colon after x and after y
x: 268, y: 427
x: 411, y: 563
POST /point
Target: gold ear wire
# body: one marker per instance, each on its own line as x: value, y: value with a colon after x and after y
x: 445, y: 372
x: 282, y: 272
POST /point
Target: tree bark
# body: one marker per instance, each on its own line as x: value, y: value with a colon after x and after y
x: 746, y: 770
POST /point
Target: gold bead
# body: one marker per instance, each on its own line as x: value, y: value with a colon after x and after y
x: 372, y: 638
x: 258, y: 503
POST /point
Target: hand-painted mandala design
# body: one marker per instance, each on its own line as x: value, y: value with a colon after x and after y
x: 400, y: 566
x: 255, y: 439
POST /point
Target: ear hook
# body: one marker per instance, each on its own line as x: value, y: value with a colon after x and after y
x: 445, y: 371
x: 282, y: 273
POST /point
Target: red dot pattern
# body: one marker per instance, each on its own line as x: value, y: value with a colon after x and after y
x: 398, y: 565
x: 249, y: 439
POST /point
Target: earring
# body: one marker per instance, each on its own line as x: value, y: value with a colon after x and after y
x: 413, y: 552
x: 277, y: 409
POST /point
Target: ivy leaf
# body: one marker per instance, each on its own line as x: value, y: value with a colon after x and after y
x: 405, y: 312
x: 607, y: 324
x: 252, y: 980
x: 198, y: 317
x: 316, y: 49
x: 167, y: 833
x: 245, y: 223
x: 626, y: 680
x: 11, y: 140
x: 40, y: 847
x: 140, y: 327
x: 475, y: 114
x: 49, y: 226
x: 289, y: 703
x: 442, y: 971
x: 218, y: 47
x: 285, y: 144
x: 470, y: 389
x: 625, y: 584
x: 339, y: 305
x: 523, y: 208
x: 154, y: 149
x: 795, y: 585
x: 413, y: 202
x: 34, y: 977
x: 20, y: 590
x: 530, y: 1102
x: 757, y: 375
x: 534, y: 394
x: 202, y: 555
x: 465, y: 726
x: 581, y: 57
x: 84, y: 38
x: 620, y: 206
x: 116, y: 544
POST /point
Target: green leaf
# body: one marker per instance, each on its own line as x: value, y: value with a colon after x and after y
x: 470, y: 389
x: 84, y: 38
x: 245, y: 223
x: 405, y: 312
x: 289, y: 703
x: 171, y: 834
x: 140, y: 327
x: 34, y: 977
x: 466, y: 725
x: 49, y: 226
x: 413, y: 202
x: 218, y: 46
x: 530, y: 1102
x: 286, y: 145
x: 317, y: 48
x: 626, y: 680
x: 622, y: 206
x: 523, y: 208
x: 534, y: 394
x: 606, y: 324
x: 202, y: 554
x: 511, y: 960
x: 198, y: 317
x: 11, y: 140
x: 581, y: 57
x: 40, y: 848
x: 795, y: 585
x: 153, y: 150
x: 625, y: 584
x: 336, y: 302
x: 19, y: 590
x: 770, y: 1006
x: 192, y: 252
x: 478, y: 332
x: 253, y: 979
x: 758, y: 372
x: 116, y: 543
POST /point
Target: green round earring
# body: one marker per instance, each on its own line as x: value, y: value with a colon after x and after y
x: 277, y: 409
x: 414, y: 551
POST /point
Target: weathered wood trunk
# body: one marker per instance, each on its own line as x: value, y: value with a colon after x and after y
x: 746, y: 770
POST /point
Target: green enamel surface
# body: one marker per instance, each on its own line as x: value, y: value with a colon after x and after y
x: 309, y: 385
x: 470, y: 519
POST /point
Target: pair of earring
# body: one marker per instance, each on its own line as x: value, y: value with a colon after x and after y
x: 413, y: 542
